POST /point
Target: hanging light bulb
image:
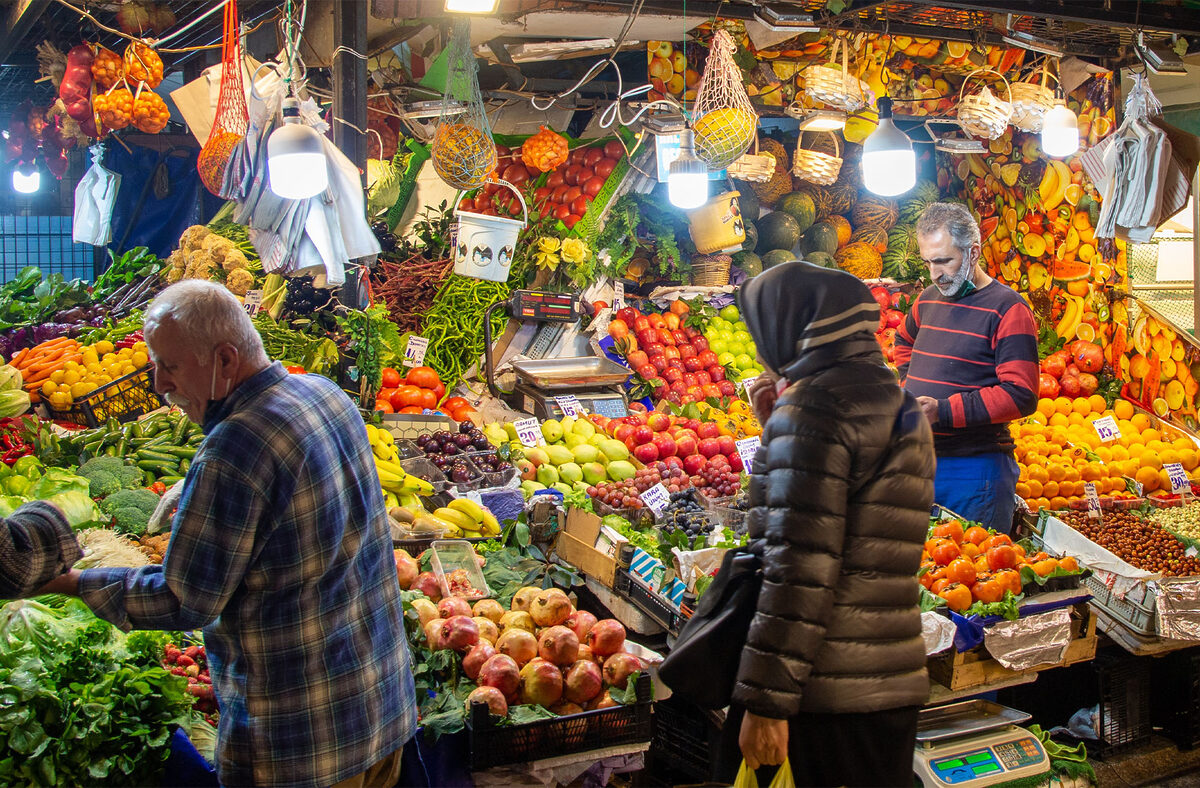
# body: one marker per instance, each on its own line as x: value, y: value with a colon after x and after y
x: 296, y: 161
x: 26, y: 178
x: 471, y: 6
x: 687, y: 176
x: 889, y: 165
x: 1060, y: 131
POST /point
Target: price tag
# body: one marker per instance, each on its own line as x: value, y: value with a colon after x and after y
x: 618, y: 296
x: 529, y: 432
x: 1137, y: 486
x: 656, y: 499
x: 744, y: 384
x: 1191, y: 551
x: 747, y: 448
x: 1107, y: 429
x: 414, y: 351
x: 569, y: 405
x: 473, y: 495
x: 1093, y: 501
x: 1179, y: 480
x: 253, y: 302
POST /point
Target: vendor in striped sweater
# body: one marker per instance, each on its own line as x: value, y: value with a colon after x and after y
x: 968, y: 352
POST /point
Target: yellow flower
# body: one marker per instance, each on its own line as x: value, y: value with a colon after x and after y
x: 574, y: 250
x: 548, y: 245
x: 547, y: 260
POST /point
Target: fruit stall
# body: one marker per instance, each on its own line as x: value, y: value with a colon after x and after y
x: 528, y: 285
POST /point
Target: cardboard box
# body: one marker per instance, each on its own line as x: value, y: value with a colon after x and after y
x: 576, y: 544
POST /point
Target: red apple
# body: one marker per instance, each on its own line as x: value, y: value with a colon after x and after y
x: 717, y: 373
x: 665, y: 444
x: 674, y: 462
x: 629, y: 315
x: 726, y: 445
x: 665, y: 337
x: 631, y: 444
x: 700, y: 343
x: 623, y: 431
x: 709, y: 447
x: 646, y: 336
x: 679, y: 387
x: 657, y: 384
x: 675, y: 363
x: 646, y: 452
x: 687, y: 351
x: 636, y: 417
x: 702, y: 377
x: 654, y: 349
x: 735, y: 463
x: 692, y: 364
x: 727, y: 388
x: 672, y: 374
x: 637, y: 358
x: 680, y: 337
x: 659, y: 363
x: 643, y: 434
x: 685, y: 445
x: 692, y: 333
x: 694, y: 463
x: 641, y: 324
x: 658, y: 421
x: 708, y: 359
x: 648, y: 371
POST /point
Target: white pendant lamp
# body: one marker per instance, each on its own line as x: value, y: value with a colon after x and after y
x: 687, y: 176
x: 26, y: 179
x: 889, y: 165
x: 471, y: 6
x: 296, y: 163
x: 1060, y: 131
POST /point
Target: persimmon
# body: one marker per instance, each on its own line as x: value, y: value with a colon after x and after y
x: 958, y: 597
x: 1001, y: 557
x: 951, y: 529
x: 961, y: 570
x: 987, y: 589
x: 975, y: 535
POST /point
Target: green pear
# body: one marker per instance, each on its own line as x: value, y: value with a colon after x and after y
x: 585, y: 428
x: 572, y: 440
x: 496, y: 434
x: 537, y: 455
x: 568, y: 424
x: 598, y: 439
x: 614, y: 450
x: 565, y: 489
x: 559, y: 454
x: 620, y: 470
x: 547, y: 474
x: 511, y: 430
x: 585, y: 453
x: 594, y: 473
x: 580, y: 486
x: 528, y: 488
x: 552, y: 431
x: 570, y: 472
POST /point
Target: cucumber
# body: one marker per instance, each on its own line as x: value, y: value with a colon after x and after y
x: 158, y: 467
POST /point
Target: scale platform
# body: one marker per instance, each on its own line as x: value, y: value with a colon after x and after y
x: 975, y: 743
x: 608, y: 402
x: 595, y: 382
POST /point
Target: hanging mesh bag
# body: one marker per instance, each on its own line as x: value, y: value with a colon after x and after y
x: 232, y: 118
x: 463, y: 151
x: 725, y: 123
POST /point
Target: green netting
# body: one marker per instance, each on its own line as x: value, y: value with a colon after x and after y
x: 1173, y: 300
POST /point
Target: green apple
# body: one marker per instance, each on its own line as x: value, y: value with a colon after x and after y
x: 552, y: 431
x: 585, y: 453
x: 570, y: 472
x: 548, y: 475
x: 738, y: 336
x: 717, y: 346
x: 725, y: 358
x: 718, y: 323
x: 743, y: 362
x: 730, y: 313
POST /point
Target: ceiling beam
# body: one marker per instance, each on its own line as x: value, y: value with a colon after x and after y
x: 22, y: 15
x: 1159, y: 17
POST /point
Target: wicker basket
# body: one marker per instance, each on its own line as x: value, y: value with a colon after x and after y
x: 711, y: 270
x: 1030, y: 102
x: 815, y: 166
x: 982, y: 114
x: 834, y: 87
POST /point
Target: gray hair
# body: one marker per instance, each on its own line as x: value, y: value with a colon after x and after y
x: 207, y: 315
x: 955, y: 219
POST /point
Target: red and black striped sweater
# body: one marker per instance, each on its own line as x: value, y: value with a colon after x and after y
x: 977, y: 356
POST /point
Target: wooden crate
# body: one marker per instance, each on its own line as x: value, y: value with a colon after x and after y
x: 974, y: 668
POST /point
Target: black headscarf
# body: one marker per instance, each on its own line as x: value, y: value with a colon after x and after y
x: 804, y: 317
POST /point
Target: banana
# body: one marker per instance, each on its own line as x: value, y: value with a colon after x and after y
x: 458, y: 518
x: 390, y: 500
x: 1048, y: 185
x: 1063, y: 180
x: 417, y: 484
x: 491, y: 526
x: 975, y: 162
x: 469, y: 508
x: 410, y: 500
x: 1072, y: 315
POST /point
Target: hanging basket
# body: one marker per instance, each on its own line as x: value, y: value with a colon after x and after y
x: 752, y: 167
x: 1030, y: 102
x: 834, y: 87
x: 726, y: 123
x: 982, y: 114
x: 711, y: 270
x: 815, y: 166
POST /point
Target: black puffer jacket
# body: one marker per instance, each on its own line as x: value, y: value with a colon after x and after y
x: 840, y: 493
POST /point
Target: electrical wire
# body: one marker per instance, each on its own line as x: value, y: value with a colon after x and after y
x: 216, y: 7
x: 154, y: 43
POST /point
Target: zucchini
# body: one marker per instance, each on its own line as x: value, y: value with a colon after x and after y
x: 156, y: 456
x: 158, y: 467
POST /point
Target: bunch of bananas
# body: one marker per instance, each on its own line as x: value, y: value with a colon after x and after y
x: 471, y: 519
x: 400, y: 488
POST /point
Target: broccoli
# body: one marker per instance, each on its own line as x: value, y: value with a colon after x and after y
x: 131, y: 510
x: 107, y: 475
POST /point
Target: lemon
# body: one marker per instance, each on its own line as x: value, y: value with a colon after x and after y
x: 140, y: 359
x: 70, y: 378
x: 125, y: 352
x: 103, y: 346
x: 57, y: 376
x: 49, y: 387
x: 89, y: 356
x: 94, y: 368
x: 72, y: 366
x: 128, y: 369
x: 80, y: 390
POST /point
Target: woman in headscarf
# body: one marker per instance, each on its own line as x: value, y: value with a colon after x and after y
x: 833, y: 671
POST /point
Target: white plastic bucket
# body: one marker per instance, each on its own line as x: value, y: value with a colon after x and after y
x: 484, y: 245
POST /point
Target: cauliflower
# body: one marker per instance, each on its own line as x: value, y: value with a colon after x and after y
x: 239, y: 281
x: 193, y: 237
x: 178, y: 259
x: 130, y: 510
x: 213, y: 241
x: 108, y: 475
x: 175, y: 275
x: 200, y: 265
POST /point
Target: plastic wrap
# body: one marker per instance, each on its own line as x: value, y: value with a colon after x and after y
x: 1178, y: 609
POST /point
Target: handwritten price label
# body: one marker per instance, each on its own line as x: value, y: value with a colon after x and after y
x: 1107, y: 429
x: 529, y: 432
x: 253, y: 302
x: 414, y: 351
x: 619, y: 296
x: 1179, y: 480
x: 747, y: 449
x: 1093, y: 501
x: 656, y: 499
x: 569, y: 405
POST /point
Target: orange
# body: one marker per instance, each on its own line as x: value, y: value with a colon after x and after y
x: 1058, y: 502
x: 1148, y: 478
x: 1189, y: 458
x: 1072, y: 474
x: 1068, y: 489
x: 1164, y: 480
x: 1116, y: 470
x: 1141, y: 422
x: 1123, y: 409
x: 1038, y: 474
x: 1150, y: 459
x: 1035, y: 488
x: 1040, y: 503
x: 1039, y: 418
x: 1168, y: 456
x: 1045, y: 406
x: 1059, y: 420
x: 1022, y: 490
x: 1098, y: 403
x: 1062, y: 405
x: 1050, y: 489
x: 1057, y: 472
x: 1081, y: 406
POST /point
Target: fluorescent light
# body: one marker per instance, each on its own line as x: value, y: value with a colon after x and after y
x: 687, y: 177
x: 889, y: 165
x: 1060, y: 131
x: 27, y: 179
x: 296, y: 163
x: 471, y: 6
x: 952, y: 143
x: 778, y: 21
x: 817, y: 119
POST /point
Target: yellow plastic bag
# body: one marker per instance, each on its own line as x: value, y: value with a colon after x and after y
x: 747, y: 779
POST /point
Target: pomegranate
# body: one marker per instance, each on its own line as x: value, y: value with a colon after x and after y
x: 550, y: 608
x: 585, y: 652
x: 618, y: 667
x: 580, y: 622
x: 1069, y: 386
x: 583, y: 682
x: 407, y: 568
x: 502, y: 672
x: 565, y: 707
x: 516, y: 619
x: 493, y: 697
x: 606, y: 637
x: 541, y: 682
x: 524, y: 598
x: 433, y: 634
x: 487, y: 629
x: 459, y: 633
x: 1088, y: 383
x: 517, y: 643
x: 488, y: 608
x: 602, y: 701
x: 558, y: 645
x: 480, y: 653
x: 427, y: 584
x: 1055, y: 364
x: 1088, y: 357
x: 1048, y: 386
x: 454, y: 606
x: 425, y: 609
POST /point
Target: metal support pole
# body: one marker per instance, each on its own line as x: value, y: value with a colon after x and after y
x: 350, y: 104
x: 1196, y: 253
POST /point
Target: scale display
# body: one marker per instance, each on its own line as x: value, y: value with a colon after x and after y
x: 536, y: 305
x: 988, y: 762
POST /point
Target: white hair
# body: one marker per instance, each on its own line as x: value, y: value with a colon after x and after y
x: 955, y: 219
x: 206, y: 315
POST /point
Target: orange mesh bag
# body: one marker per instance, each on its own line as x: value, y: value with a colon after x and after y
x: 463, y: 151
x: 233, y: 118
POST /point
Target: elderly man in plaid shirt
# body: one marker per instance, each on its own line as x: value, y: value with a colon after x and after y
x: 280, y: 549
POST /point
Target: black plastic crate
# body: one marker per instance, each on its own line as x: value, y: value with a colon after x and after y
x: 1124, y: 719
x: 653, y: 605
x: 125, y: 399
x: 684, y: 739
x: 1176, y: 698
x: 496, y: 745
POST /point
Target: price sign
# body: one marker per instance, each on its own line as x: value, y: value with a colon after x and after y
x: 656, y: 499
x: 569, y: 405
x: 1093, y: 501
x: 618, y: 296
x: 253, y: 302
x: 747, y: 448
x: 744, y: 384
x: 529, y: 432
x: 1179, y: 480
x: 414, y: 351
x: 1107, y: 429
x: 1137, y: 486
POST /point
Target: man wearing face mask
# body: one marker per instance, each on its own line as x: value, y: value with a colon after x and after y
x: 281, y: 551
x: 968, y: 352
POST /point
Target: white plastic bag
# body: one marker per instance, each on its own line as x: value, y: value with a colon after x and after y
x: 95, y: 195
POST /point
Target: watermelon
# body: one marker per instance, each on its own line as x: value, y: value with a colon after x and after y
x: 747, y: 201
x: 821, y: 237
x: 775, y: 257
x: 749, y: 262
x: 800, y: 206
x: 778, y: 230
x: 751, y: 241
x: 820, y: 258
x: 1070, y: 270
x: 902, y: 261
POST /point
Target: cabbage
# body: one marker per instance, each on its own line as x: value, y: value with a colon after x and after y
x: 10, y: 378
x: 9, y: 504
x: 79, y: 509
x: 13, y: 403
x: 55, y: 481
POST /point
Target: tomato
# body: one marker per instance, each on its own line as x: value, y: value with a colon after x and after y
x: 391, y: 378
x: 462, y: 414
x: 428, y: 399
x: 439, y: 391
x: 952, y: 530
x: 466, y: 204
x: 295, y: 369
x: 592, y: 156
x: 411, y: 409
x: 572, y: 220
x: 585, y: 175
x: 383, y: 406
x: 958, y: 597
x: 944, y: 552
x: 593, y: 185
x: 571, y: 195
x: 454, y: 403
x: 975, y: 535
x: 961, y: 570
x: 1001, y: 557
x: 515, y: 174
x: 571, y: 176
x: 598, y: 306
x: 987, y: 589
x: 406, y: 396
x: 422, y: 377
x: 576, y: 156
x: 604, y: 168
x: 579, y: 205
x: 562, y: 212
x: 614, y: 150
x: 555, y: 179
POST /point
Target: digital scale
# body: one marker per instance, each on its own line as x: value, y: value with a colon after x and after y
x: 976, y: 743
x: 594, y: 381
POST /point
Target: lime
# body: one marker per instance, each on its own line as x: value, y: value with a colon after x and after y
x: 717, y: 346
x: 725, y: 359
x: 742, y: 336
x: 743, y: 362
x: 730, y: 313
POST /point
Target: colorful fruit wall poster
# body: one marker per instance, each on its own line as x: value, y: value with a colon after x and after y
x: 1160, y: 365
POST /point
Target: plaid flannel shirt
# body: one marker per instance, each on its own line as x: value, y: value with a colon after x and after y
x: 36, y: 546
x: 281, y: 551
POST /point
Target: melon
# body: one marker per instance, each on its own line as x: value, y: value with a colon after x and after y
x: 842, y: 225
x: 902, y: 261
x: 775, y: 257
x: 749, y: 262
x: 751, y: 241
x: 860, y: 259
x: 821, y: 237
x: 1070, y: 270
x: 747, y: 201
x: 800, y: 206
x: 781, y: 180
x: 926, y: 194
x: 820, y: 198
x: 842, y: 197
x: 821, y: 259
x: 778, y: 230
x: 873, y: 235
x: 878, y: 211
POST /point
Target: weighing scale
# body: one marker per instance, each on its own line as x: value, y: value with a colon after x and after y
x: 594, y: 381
x: 976, y: 743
